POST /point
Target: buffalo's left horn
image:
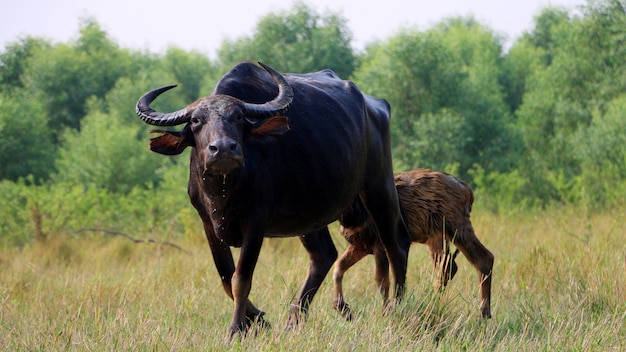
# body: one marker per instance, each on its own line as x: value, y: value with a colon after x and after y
x: 152, y: 117
x: 278, y: 105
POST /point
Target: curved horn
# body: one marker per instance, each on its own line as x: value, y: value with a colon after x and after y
x: 152, y: 117
x: 278, y: 105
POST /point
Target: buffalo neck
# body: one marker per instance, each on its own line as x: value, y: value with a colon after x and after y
x: 220, y: 191
x: 218, y: 188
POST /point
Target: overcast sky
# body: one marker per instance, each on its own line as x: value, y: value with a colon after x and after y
x: 202, y: 24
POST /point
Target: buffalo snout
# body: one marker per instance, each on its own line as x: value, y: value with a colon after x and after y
x: 224, y: 156
x: 223, y: 146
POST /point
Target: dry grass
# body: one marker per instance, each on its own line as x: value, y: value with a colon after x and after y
x: 559, y: 284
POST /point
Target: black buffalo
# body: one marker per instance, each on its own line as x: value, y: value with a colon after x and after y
x: 283, y: 155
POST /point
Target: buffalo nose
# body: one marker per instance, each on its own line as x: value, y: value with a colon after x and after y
x: 223, y: 146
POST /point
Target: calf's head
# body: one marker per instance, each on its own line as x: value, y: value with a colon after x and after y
x: 217, y: 125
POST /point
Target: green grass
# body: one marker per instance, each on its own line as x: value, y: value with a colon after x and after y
x: 559, y: 284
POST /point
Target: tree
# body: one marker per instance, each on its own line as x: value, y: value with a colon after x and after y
x: 478, y: 52
x: 545, y: 34
x: 26, y: 145
x: 438, y: 142
x: 522, y: 60
x: 190, y: 70
x: 299, y: 40
x: 579, y: 85
x: 601, y: 152
x: 15, y: 59
x: 110, y: 150
x: 447, y: 104
x: 416, y: 74
x: 65, y: 76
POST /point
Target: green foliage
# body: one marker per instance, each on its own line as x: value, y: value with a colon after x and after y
x: 601, y: 152
x: 501, y: 192
x: 15, y: 59
x: 568, y: 93
x: 65, y: 76
x: 447, y: 103
x: 518, y: 65
x: 39, y: 213
x: 26, y: 146
x: 438, y: 141
x: 13, y: 224
x: 416, y: 74
x: 104, y: 157
x: 298, y: 40
x: 189, y: 70
x: 110, y: 151
x: 478, y: 51
x: 545, y: 34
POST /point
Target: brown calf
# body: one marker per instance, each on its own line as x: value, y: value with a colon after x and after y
x: 434, y: 204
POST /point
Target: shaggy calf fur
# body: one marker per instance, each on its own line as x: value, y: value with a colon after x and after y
x: 436, y: 209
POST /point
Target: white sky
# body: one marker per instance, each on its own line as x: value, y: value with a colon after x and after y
x: 202, y: 24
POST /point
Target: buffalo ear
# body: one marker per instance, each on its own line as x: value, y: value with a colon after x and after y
x: 273, y: 126
x: 170, y: 142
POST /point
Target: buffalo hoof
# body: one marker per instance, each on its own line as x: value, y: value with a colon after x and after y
x: 251, y: 326
x: 297, y: 317
x: 344, y: 309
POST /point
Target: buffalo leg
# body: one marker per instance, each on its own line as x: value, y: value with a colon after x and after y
x: 350, y: 257
x: 382, y: 272
x: 442, y: 259
x: 392, y: 233
x: 322, y: 254
x: 482, y: 259
x: 225, y: 265
x: 241, y: 281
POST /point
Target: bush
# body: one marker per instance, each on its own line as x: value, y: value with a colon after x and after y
x: 41, y: 212
x: 501, y: 192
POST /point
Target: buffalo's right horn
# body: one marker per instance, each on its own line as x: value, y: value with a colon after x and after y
x: 152, y: 117
x: 279, y: 105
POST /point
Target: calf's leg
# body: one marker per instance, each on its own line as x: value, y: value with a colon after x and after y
x: 482, y: 259
x: 350, y: 257
x: 440, y: 253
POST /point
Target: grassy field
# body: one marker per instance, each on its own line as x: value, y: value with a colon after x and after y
x: 559, y: 284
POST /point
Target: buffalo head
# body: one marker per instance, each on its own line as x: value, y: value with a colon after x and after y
x: 217, y: 125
